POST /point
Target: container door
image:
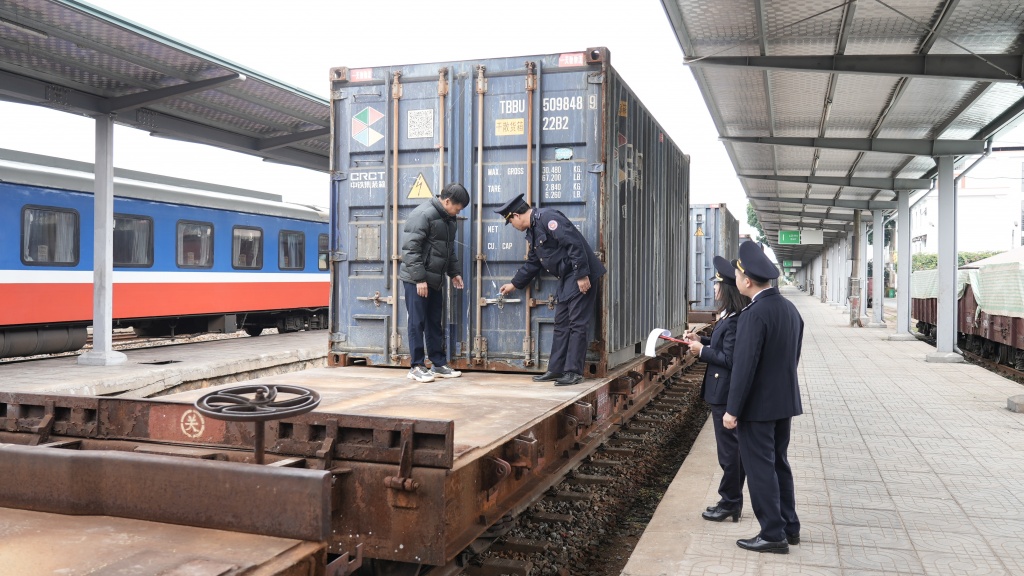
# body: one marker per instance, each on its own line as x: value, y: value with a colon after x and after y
x: 390, y: 155
x: 536, y: 132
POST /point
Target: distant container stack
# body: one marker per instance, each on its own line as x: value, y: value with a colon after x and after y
x: 562, y: 129
x: 715, y: 233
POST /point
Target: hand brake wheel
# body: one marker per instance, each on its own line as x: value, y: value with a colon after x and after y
x: 258, y: 404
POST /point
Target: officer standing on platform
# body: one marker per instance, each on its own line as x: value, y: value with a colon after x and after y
x: 717, y: 351
x: 764, y: 395
x: 558, y: 247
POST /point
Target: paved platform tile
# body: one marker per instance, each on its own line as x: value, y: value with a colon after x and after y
x: 885, y: 519
x: 885, y: 560
x: 873, y: 537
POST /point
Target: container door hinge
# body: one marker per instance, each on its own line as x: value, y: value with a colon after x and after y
x: 339, y: 256
x: 339, y: 176
x: 596, y: 168
x: 595, y: 79
x: 338, y: 95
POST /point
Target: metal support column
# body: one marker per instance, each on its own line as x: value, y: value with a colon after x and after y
x: 103, y: 250
x: 854, y: 282
x: 903, y: 267
x: 945, y: 338
x: 878, y: 271
x: 835, y: 270
x: 862, y: 274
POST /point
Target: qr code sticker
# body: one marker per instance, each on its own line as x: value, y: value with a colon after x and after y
x: 421, y: 123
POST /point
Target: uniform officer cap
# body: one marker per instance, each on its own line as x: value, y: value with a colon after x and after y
x: 725, y: 272
x: 755, y: 263
x: 514, y: 206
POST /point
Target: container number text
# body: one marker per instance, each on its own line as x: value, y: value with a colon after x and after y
x: 562, y: 103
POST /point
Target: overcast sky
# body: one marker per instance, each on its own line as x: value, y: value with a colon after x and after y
x: 298, y: 41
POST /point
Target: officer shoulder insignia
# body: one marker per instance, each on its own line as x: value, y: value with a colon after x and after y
x: 552, y: 225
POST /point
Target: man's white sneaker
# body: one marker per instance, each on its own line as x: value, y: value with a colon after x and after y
x: 444, y: 372
x: 420, y: 374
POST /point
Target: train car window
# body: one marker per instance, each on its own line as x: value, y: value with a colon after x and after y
x: 49, y: 236
x: 323, y: 251
x: 247, y: 248
x: 195, y: 244
x: 291, y: 251
x: 133, y: 241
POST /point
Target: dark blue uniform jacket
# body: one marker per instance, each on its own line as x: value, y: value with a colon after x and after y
x: 764, y: 383
x: 557, y: 247
x: 717, y: 352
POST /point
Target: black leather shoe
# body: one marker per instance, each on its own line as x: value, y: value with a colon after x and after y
x: 568, y: 379
x: 793, y: 539
x: 547, y: 377
x: 717, y: 514
x: 758, y: 544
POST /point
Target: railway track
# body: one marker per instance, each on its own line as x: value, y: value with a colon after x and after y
x: 991, y: 365
x: 588, y: 522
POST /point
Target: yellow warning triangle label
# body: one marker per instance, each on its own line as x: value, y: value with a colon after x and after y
x: 420, y: 188
x: 699, y: 232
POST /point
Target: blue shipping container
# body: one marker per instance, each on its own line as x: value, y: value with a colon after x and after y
x: 715, y: 233
x: 562, y: 129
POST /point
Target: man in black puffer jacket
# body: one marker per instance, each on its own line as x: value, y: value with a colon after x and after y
x: 428, y: 254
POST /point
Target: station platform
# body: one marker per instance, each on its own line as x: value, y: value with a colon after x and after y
x: 162, y: 369
x: 901, y: 467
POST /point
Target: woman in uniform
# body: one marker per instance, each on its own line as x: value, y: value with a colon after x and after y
x: 717, y: 352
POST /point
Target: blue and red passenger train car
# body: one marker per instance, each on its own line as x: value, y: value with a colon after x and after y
x: 188, y: 257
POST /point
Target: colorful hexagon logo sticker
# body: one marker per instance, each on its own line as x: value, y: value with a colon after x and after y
x: 361, y: 122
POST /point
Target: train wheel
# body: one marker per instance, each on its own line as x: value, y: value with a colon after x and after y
x: 254, y: 330
x: 1003, y: 354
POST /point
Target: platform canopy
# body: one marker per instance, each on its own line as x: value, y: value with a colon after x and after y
x: 827, y: 106
x: 73, y: 57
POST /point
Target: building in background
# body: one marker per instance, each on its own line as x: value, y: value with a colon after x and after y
x: 990, y: 208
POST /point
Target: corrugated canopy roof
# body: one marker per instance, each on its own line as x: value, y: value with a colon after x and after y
x: 71, y: 56
x: 828, y: 106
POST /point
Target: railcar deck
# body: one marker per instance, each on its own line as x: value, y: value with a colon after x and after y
x: 415, y: 472
x: 43, y: 543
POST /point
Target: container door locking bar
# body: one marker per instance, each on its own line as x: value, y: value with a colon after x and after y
x: 377, y: 299
x: 500, y: 301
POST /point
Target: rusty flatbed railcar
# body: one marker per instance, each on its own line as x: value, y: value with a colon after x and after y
x: 408, y: 473
x: 41, y: 543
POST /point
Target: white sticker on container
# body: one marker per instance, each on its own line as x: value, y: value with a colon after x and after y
x: 421, y: 123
